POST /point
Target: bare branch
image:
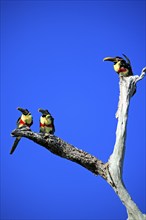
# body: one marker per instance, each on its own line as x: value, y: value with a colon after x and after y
x: 61, y: 148
x: 142, y: 75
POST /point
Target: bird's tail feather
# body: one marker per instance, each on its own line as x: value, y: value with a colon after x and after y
x: 15, y: 145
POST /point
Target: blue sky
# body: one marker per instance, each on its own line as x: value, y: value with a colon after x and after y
x: 52, y: 57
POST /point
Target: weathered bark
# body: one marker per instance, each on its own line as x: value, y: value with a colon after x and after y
x: 110, y: 171
x: 61, y: 148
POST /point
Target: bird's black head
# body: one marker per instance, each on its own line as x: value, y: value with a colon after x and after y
x: 24, y: 111
x: 44, y: 111
x: 117, y: 59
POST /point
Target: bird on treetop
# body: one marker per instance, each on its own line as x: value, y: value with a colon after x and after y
x: 121, y: 66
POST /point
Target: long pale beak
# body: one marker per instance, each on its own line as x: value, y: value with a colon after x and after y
x: 113, y: 59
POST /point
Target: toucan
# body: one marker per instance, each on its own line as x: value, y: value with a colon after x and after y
x: 121, y: 66
x: 46, y: 122
x: 26, y: 120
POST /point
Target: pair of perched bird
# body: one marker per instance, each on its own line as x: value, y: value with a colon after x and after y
x: 26, y: 120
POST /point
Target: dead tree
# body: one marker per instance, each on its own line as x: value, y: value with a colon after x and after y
x: 110, y: 171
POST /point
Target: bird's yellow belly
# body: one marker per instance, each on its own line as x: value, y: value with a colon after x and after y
x: 45, y: 121
x: 27, y: 119
x: 121, y: 70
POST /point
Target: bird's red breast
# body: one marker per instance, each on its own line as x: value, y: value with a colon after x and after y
x: 122, y: 69
x: 45, y: 125
x: 22, y: 122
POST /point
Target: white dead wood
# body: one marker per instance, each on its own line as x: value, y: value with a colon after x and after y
x: 110, y: 171
x: 127, y: 88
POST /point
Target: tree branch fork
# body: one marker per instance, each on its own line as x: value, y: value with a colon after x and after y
x: 111, y: 171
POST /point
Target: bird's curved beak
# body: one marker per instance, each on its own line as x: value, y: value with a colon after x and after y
x: 112, y: 59
x: 41, y: 110
x: 22, y: 110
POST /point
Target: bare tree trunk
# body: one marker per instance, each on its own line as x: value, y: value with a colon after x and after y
x: 127, y: 88
x: 110, y: 171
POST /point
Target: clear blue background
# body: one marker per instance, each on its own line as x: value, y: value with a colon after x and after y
x: 52, y: 57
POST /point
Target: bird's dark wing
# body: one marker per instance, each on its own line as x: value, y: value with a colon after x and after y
x: 53, y: 131
x: 17, y: 123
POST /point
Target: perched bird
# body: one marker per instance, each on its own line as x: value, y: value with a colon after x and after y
x: 121, y: 66
x: 26, y: 120
x: 46, y: 122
